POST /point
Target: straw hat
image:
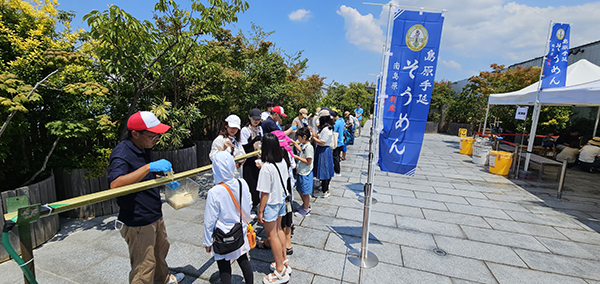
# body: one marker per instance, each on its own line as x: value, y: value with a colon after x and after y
x: 595, y: 141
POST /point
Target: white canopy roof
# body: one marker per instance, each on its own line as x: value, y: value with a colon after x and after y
x: 582, y: 88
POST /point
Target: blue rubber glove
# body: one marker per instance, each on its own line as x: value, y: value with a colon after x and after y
x: 173, y: 185
x: 161, y: 165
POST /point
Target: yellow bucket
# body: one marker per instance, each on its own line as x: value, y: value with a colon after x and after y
x: 466, y: 146
x: 500, y: 162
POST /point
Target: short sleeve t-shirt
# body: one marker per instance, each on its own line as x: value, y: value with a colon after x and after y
x: 339, y: 128
x: 138, y: 208
x: 588, y: 153
x: 269, y: 125
x: 269, y: 182
x: 326, y: 135
x: 308, y: 152
x: 358, y: 111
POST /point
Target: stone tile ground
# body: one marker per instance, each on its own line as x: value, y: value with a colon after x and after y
x: 494, y: 230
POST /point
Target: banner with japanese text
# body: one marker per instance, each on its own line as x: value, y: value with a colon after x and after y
x: 557, y: 59
x: 408, y: 82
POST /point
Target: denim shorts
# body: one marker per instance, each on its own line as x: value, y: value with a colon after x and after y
x: 273, y: 211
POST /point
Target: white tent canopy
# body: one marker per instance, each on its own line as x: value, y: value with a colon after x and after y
x: 582, y: 88
x: 587, y: 94
x: 576, y: 90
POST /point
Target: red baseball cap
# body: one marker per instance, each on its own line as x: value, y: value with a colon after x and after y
x: 145, y: 120
x: 279, y: 110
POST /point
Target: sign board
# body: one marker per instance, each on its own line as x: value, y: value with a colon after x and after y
x: 462, y: 132
x: 521, y: 113
x: 28, y: 214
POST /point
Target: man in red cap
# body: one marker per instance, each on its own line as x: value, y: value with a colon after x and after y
x: 273, y: 121
x: 140, y: 215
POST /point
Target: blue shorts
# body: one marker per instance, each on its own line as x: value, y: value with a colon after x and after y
x: 304, y: 184
x: 273, y: 211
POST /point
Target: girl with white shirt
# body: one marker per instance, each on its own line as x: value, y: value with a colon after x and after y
x: 229, y: 140
x: 221, y: 212
x: 272, y: 205
x: 323, y: 163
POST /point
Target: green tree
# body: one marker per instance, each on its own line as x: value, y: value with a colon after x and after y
x: 345, y: 98
x: 470, y: 105
x: 441, y: 95
x: 48, y: 98
x: 138, y: 56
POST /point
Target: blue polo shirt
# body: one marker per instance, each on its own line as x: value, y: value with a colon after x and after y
x: 143, y: 207
x: 358, y: 111
x: 339, y: 128
x: 269, y: 125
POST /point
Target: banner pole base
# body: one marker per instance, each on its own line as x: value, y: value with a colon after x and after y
x: 370, y: 261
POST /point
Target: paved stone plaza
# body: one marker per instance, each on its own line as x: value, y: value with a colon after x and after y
x: 493, y: 230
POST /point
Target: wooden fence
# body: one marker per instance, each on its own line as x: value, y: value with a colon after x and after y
x: 42, y: 230
x: 72, y: 184
x: 202, y: 151
x: 431, y: 127
x: 182, y: 159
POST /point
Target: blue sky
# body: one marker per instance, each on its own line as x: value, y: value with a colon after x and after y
x: 342, y: 39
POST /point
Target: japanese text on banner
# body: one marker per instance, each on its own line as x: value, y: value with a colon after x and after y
x: 557, y: 59
x: 408, y: 81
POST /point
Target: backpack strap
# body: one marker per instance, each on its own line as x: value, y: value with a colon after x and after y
x: 233, y: 198
x: 285, y: 189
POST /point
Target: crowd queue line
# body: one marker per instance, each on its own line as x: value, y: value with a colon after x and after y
x: 306, y: 154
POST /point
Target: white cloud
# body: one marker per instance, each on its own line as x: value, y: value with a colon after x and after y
x: 510, y: 32
x: 363, y: 31
x: 451, y: 64
x: 299, y: 15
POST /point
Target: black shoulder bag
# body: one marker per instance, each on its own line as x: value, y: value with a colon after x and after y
x: 225, y: 243
x: 287, y: 190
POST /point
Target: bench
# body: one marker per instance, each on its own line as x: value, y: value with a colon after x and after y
x: 538, y: 160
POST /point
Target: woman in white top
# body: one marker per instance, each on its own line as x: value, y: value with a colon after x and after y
x: 323, y: 163
x: 221, y: 212
x: 229, y: 140
x: 272, y: 204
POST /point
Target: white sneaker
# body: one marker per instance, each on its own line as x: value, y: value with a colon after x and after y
x: 338, y: 175
x: 302, y: 212
x: 175, y: 278
x: 326, y: 194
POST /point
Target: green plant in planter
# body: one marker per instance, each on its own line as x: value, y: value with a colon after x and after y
x: 180, y: 120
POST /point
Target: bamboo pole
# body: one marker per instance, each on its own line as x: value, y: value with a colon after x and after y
x: 75, y: 202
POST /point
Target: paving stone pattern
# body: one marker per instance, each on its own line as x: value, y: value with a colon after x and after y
x: 493, y: 230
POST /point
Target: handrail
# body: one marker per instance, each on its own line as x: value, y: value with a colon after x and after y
x: 75, y: 202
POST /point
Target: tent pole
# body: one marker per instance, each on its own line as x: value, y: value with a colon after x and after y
x: 537, y: 105
x: 487, y: 111
x: 596, y: 125
x: 534, y: 122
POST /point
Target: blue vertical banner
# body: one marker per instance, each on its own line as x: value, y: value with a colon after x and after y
x: 557, y: 59
x: 408, y: 83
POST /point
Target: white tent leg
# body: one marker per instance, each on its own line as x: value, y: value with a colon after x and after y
x: 486, y: 116
x: 534, y: 123
x: 596, y: 125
